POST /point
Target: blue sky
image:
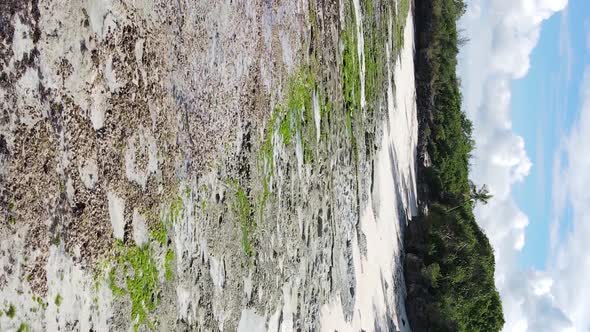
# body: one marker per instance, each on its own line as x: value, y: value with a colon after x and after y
x: 545, y: 103
x: 526, y: 86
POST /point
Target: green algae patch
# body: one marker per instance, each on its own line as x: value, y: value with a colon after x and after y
x: 300, y: 93
x: 117, y: 291
x: 291, y: 119
x: 168, y: 259
x: 375, y: 32
x: 243, y: 212
x: 400, y: 24
x: 285, y: 128
x: 175, y: 210
x: 351, y: 79
x: 11, y: 311
x: 58, y: 300
x: 23, y: 327
x: 142, y: 282
x: 159, y: 233
x: 294, y: 114
x: 351, y: 82
x: 135, y: 271
x: 140, y: 275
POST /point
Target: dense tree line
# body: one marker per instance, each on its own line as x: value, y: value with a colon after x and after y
x: 449, y: 261
x: 450, y: 136
x: 453, y: 273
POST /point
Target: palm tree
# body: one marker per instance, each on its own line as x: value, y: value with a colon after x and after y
x: 481, y: 195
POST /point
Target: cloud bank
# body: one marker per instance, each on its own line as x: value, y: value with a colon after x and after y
x: 570, y: 264
x: 503, y: 34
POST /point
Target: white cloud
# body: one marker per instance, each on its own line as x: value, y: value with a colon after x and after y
x: 558, y: 298
x: 503, y: 34
x: 570, y: 264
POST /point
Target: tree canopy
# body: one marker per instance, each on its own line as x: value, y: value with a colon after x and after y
x: 456, y: 280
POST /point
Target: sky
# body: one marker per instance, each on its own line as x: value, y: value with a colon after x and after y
x: 526, y: 86
x: 555, y: 80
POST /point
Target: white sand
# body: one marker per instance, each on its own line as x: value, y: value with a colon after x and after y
x: 110, y: 76
x: 316, y: 115
x: 140, y: 230
x: 142, y: 143
x: 27, y: 89
x: 217, y: 273
x: 21, y: 43
x: 250, y: 321
x: 273, y: 322
x: 97, y: 11
x: 360, y: 48
x: 116, y: 214
x: 88, y: 170
x: 97, y: 107
x: 84, y: 301
x: 248, y: 286
x: 381, y: 226
x: 299, y: 153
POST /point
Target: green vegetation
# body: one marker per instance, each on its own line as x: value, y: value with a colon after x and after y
x: 351, y: 82
x: 295, y: 114
x: 11, y: 312
x: 375, y: 29
x: 140, y: 273
x: 40, y: 301
x: 160, y: 232
x: 456, y: 278
x: 176, y: 208
x: 293, y: 117
x: 451, y: 141
x: 55, y: 240
x: 460, y: 268
x: 11, y: 218
x: 134, y: 271
x: 58, y: 300
x: 242, y: 209
x: 23, y: 327
x: 266, y: 151
x: 285, y: 128
x: 299, y: 111
x: 168, y: 259
x: 264, y: 197
x: 403, y: 6
x: 475, y: 195
x: 117, y: 291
